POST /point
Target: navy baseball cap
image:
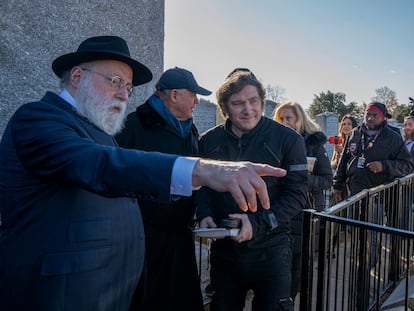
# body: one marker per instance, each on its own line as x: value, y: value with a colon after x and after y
x: 179, y: 78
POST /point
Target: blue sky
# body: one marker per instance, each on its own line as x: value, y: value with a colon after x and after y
x: 305, y: 47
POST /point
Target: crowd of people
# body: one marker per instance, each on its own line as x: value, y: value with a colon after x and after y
x: 98, y: 207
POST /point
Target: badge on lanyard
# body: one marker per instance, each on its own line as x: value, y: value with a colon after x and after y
x: 361, y: 162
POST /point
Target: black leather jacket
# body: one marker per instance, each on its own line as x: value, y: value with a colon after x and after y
x: 271, y: 143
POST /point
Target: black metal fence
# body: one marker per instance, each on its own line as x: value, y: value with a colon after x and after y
x: 354, y: 253
x: 363, y: 250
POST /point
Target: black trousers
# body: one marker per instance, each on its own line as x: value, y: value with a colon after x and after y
x: 172, y: 281
x: 266, y: 271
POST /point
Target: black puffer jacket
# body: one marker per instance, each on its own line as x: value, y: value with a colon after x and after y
x: 321, y: 177
x: 146, y: 130
x: 271, y: 143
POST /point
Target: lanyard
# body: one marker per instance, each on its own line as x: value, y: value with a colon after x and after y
x: 370, y: 144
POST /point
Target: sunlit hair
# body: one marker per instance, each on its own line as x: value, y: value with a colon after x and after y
x: 235, y: 82
x: 303, y: 123
x: 349, y: 117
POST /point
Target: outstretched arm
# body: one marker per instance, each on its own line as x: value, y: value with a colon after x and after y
x: 242, y: 179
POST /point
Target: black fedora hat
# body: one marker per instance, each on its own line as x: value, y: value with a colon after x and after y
x: 102, y: 48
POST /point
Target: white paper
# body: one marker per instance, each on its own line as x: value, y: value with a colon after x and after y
x: 216, y: 232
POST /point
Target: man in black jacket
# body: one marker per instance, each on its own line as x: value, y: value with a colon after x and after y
x: 374, y: 154
x: 165, y: 123
x: 259, y: 257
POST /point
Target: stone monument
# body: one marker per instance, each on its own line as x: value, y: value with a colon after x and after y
x: 33, y: 33
x: 328, y: 121
x: 205, y: 115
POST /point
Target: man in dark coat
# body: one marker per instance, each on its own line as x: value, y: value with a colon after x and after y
x: 71, y: 234
x: 259, y: 257
x: 165, y: 123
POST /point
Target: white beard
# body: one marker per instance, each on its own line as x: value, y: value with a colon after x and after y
x: 98, y: 110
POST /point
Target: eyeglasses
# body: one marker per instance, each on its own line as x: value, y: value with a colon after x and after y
x: 117, y: 83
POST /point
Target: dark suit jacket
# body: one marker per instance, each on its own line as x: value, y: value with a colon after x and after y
x: 71, y: 232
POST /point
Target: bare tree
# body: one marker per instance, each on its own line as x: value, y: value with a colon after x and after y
x: 388, y: 97
x: 275, y: 93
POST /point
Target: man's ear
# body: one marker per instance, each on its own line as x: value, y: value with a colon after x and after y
x: 75, y: 76
x: 173, y: 95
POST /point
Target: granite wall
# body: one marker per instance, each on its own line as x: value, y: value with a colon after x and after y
x: 34, y: 32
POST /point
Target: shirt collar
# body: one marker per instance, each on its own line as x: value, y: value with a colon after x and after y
x: 64, y: 94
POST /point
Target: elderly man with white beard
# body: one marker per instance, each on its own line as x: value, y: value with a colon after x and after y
x: 71, y: 234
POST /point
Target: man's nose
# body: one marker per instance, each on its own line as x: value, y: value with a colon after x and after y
x: 247, y: 107
x: 122, y: 94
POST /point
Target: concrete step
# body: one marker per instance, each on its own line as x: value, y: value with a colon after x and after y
x: 396, y: 300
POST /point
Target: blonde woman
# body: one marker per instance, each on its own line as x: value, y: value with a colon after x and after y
x: 320, y: 177
x: 292, y: 114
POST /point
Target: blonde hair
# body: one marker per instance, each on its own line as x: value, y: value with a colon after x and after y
x: 303, y: 123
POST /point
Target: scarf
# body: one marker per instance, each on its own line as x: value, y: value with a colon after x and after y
x: 182, y: 127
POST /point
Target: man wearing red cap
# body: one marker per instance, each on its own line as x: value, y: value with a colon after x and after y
x: 373, y: 155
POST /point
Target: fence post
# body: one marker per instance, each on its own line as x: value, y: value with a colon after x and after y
x: 306, y: 262
x: 364, y: 257
x: 321, y: 265
x: 396, y: 246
